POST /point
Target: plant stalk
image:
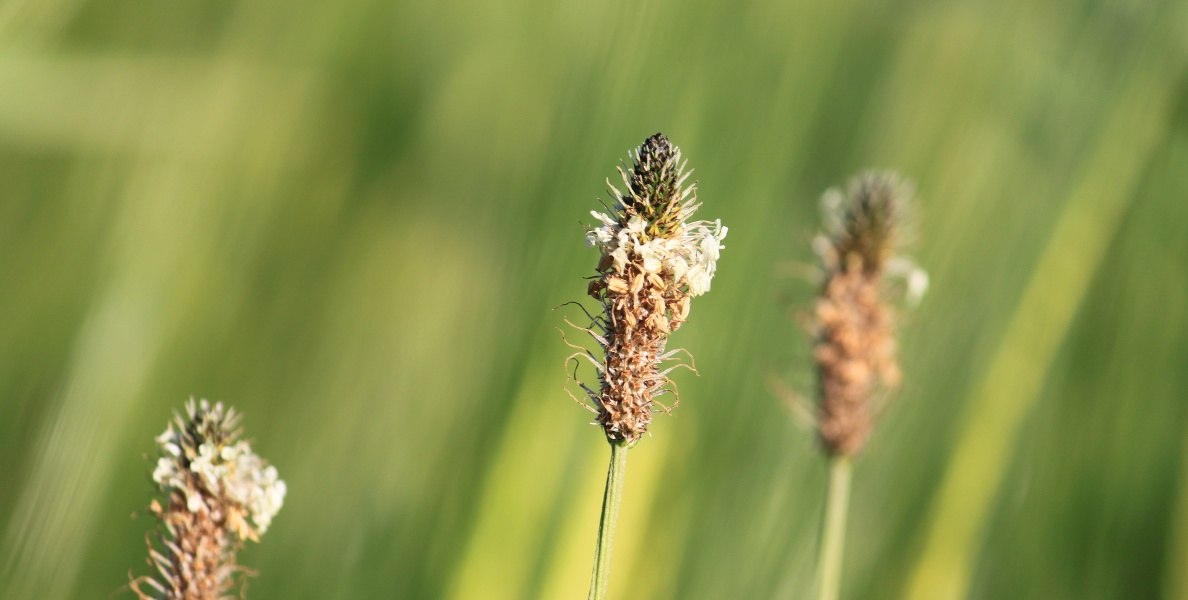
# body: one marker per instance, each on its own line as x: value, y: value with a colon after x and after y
x: 833, y: 532
x: 600, y: 580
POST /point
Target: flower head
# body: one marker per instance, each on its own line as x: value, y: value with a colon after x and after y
x: 220, y: 494
x: 653, y: 260
x: 652, y: 224
x: 855, y: 344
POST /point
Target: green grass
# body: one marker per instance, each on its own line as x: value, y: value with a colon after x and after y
x: 353, y: 220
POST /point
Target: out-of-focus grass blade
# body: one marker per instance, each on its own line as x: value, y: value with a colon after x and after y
x: 1013, y: 381
x: 1176, y: 581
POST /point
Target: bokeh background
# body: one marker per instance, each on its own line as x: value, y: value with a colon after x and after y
x: 353, y: 221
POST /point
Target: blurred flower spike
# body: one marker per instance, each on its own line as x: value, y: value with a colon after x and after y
x: 855, y: 342
x: 219, y: 493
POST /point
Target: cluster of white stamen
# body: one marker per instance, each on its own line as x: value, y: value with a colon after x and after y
x: 689, y: 258
x: 228, y: 471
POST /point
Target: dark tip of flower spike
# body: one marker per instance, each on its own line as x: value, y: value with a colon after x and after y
x: 870, y: 218
x: 657, y: 149
x: 654, y: 191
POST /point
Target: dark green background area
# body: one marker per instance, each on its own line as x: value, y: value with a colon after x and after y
x: 353, y: 220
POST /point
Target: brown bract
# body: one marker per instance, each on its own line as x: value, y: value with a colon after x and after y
x: 855, y: 355
x: 197, y: 558
x: 640, y: 310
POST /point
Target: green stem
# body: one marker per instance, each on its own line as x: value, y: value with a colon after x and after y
x: 606, y: 525
x: 833, y: 533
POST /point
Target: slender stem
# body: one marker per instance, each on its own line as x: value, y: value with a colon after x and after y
x: 599, y: 582
x: 833, y: 532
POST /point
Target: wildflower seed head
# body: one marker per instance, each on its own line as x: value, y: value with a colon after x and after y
x: 654, y: 259
x: 220, y: 494
x: 855, y: 345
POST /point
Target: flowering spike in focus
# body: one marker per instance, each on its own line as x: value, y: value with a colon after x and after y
x: 654, y: 259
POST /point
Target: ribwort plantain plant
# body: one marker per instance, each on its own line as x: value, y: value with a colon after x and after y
x: 218, y: 495
x: 854, y: 345
x: 653, y: 261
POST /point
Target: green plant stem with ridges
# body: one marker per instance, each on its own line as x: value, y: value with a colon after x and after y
x: 833, y: 532
x: 600, y: 580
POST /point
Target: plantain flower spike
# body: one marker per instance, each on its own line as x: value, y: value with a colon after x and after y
x: 855, y: 345
x: 219, y: 494
x: 654, y: 260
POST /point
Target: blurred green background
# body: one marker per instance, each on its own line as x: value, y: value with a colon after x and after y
x: 353, y: 220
